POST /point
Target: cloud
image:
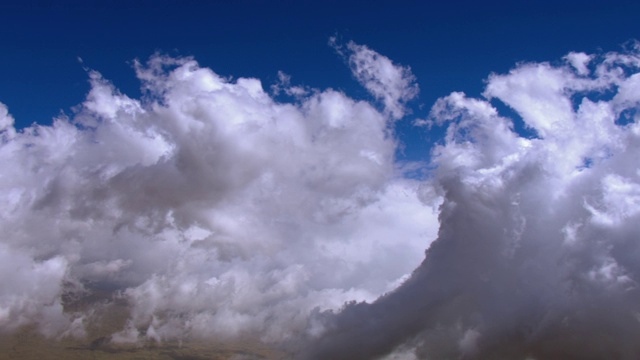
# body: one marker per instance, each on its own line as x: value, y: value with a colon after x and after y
x: 392, y: 84
x: 537, y: 251
x: 206, y: 205
x: 214, y: 210
x: 284, y: 86
x: 6, y: 122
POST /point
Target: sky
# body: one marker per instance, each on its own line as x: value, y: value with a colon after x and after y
x: 450, y: 46
x: 406, y: 181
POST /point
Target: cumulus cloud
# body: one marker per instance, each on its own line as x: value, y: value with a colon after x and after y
x: 537, y: 251
x: 214, y: 210
x: 207, y: 206
x: 6, y: 122
x: 392, y: 84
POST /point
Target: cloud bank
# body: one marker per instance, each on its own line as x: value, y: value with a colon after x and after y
x: 209, y: 207
x: 214, y: 210
x: 537, y: 251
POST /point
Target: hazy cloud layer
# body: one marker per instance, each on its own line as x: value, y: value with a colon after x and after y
x: 207, y: 205
x: 537, y: 252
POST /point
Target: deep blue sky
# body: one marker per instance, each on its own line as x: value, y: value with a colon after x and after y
x: 450, y: 45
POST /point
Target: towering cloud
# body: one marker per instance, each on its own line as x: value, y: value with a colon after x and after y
x: 209, y: 207
x: 537, y: 251
x: 214, y: 210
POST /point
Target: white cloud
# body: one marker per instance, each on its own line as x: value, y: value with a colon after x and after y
x: 31, y: 290
x: 217, y: 211
x: 579, y: 61
x: 284, y: 86
x: 392, y: 84
x: 423, y: 123
x: 6, y: 122
x: 537, y: 252
x: 213, y: 209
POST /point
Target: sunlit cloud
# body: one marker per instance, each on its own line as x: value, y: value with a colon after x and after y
x: 536, y: 255
x: 214, y: 209
x: 394, y: 85
x: 208, y: 206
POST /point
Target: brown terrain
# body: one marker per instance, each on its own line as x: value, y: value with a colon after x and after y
x: 111, y: 315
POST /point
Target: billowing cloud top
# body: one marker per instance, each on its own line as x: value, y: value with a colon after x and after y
x: 537, y: 251
x: 214, y: 210
x: 207, y: 205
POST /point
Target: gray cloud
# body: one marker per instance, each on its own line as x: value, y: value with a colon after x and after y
x: 536, y: 255
x: 209, y: 207
x: 214, y: 210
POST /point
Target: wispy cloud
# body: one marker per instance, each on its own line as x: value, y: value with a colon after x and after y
x: 394, y: 85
